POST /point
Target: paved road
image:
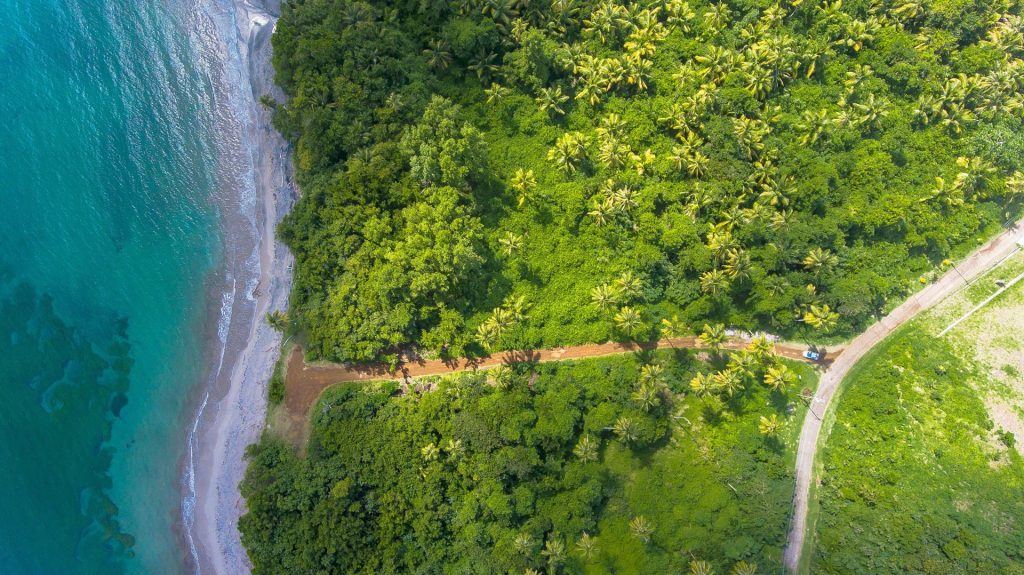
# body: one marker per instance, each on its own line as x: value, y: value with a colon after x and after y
x: 974, y: 265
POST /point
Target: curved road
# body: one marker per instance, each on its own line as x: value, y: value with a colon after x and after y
x: 974, y: 265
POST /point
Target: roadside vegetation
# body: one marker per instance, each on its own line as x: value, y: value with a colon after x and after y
x: 504, y: 174
x: 925, y: 456
x: 624, y: 464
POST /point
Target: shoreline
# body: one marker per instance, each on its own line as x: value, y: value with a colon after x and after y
x: 229, y: 412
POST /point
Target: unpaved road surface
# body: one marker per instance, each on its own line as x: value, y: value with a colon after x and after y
x: 305, y: 382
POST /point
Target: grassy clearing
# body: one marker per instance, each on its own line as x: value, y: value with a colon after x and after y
x: 922, y: 472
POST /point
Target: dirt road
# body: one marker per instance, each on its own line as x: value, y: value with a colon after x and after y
x: 305, y: 382
x: 974, y: 265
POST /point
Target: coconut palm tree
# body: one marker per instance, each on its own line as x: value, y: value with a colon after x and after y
x: 769, y: 425
x: 821, y: 317
x: 714, y: 282
x: 646, y: 396
x: 568, y: 151
x: 587, y: 449
x: 642, y: 528
x: 672, y: 327
x: 496, y: 93
x: 652, y: 373
x: 602, y: 210
x: 628, y: 284
x: 523, y: 544
x: 870, y: 111
x: 737, y: 265
x: 728, y: 381
x: 483, y: 65
x: 605, y: 296
x: 744, y: 568
x: 713, y: 336
x: 550, y: 101
x: 587, y: 545
x: 820, y: 261
x: 744, y: 363
x: 762, y: 348
x: 554, y: 550
x: 524, y: 182
x: 511, y: 243
x: 278, y: 320
x: 779, y: 377
x: 625, y: 428
x: 702, y: 385
x: 628, y: 320
x: 700, y: 567
x: 813, y: 126
x: 438, y: 54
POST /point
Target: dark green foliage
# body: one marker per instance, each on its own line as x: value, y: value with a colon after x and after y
x: 915, y: 479
x: 713, y: 148
x: 446, y: 481
x: 275, y: 391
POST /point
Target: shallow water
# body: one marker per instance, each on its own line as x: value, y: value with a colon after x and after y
x: 109, y: 233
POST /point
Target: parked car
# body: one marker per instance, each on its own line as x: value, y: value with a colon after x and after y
x: 812, y: 355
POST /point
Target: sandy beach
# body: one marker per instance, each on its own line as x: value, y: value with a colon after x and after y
x: 232, y: 412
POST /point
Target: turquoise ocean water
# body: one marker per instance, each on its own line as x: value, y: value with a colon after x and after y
x: 108, y: 237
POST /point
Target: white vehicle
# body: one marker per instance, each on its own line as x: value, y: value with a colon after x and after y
x: 812, y: 355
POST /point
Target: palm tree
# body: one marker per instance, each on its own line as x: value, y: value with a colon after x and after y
x: 762, y: 348
x: 672, y: 327
x: 628, y: 320
x: 713, y: 336
x: 769, y: 425
x: 744, y: 568
x: 501, y: 11
x: 821, y: 317
x: 602, y: 211
x: 569, y: 149
x: 652, y: 373
x: 587, y: 545
x: 646, y: 397
x: 483, y: 64
x: 744, y: 363
x: 550, y: 100
x: 779, y: 377
x: 871, y: 111
x: 605, y: 296
x: 496, y: 93
x: 819, y: 261
x: 700, y: 567
x: 714, y: 282
x: 737, y: 265
x: 438, y: 55
x: 628, y: 284
x: 430, y: 452
x: 625, y: 428
x: 586, y: 449
x: 511, y: 243
x: 813, y: 126
x: 697, y: 164
x: 278, y: 320
x: 523, y: 544
x: 702, y: 384
x: 554, y: 550
x: 729, y: 381
x: 642, y: 528
x: 524, y: 182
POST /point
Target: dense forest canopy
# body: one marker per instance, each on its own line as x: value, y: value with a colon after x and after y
x: 600, y: 466
x: 514, y: 173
